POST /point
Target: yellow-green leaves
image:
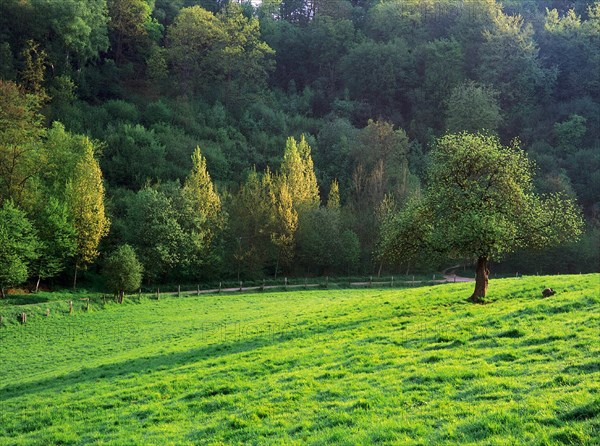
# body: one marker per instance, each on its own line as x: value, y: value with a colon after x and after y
x: 333, y: 199
x: 85, y: 194
x: 297, y: 172
x: 201, y: 201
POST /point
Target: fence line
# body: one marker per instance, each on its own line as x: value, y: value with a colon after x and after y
x: 286, y: 285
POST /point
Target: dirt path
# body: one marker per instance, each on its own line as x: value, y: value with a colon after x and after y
x: 450, y: 275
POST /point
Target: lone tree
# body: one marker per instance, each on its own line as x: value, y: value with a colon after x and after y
x: 479, y: 203
x: 123, y: 271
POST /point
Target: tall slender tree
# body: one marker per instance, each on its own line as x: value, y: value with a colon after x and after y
x: 204, y: 215
x: 85, y: 194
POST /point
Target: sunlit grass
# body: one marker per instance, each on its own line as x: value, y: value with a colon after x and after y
x: 412, y: 366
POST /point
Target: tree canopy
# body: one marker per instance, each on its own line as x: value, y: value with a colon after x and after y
x: 317, y: 120
x: 480, y: 203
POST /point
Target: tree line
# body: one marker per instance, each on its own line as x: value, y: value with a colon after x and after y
x: 218, y: 137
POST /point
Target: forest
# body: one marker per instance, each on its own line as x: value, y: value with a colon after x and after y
x: 222, y: 139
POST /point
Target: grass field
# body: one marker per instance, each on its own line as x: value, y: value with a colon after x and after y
x: 374, y: 366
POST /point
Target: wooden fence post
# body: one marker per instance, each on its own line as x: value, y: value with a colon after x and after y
x: 158, y: 294
x: 413, y: 281
x: 70, y: 307
x: 262, y: 288
x: 241, y: 285
x: 285, y: 283
x: 23, y: 318
x: 326, y: 281
x: 305, y: 283
x: 370, y: 281
x: 392, y: 285
x: 178, y: 290
x: 220, y: 285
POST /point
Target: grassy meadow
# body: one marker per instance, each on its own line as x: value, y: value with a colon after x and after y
x: 417, y: 366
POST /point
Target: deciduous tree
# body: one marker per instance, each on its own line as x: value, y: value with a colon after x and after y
x: 18, y: 246
x: 480, y: 203
x: 85, y: 195
x: 123, y: 271
x: 21, y: 152
x: 203, y: 215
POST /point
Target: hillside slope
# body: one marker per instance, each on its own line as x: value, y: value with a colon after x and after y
x: 413, y: 366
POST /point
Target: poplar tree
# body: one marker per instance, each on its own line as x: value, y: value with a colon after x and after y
x: 283, y: 216
x: 333, y: 199
x: 204, y: 217
x: 85, y: 194
x: 297, y: 171
x: 251, y: 224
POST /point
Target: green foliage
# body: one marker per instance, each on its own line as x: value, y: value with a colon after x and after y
x: 509, y: 61
x: 128, y: 26
x: 33, y: 73
x: 57, y: 239
x: 153, y: 229
x: 297, y: 172
x: 389, y: 69
x: 473, y: 108
x: 480, y: 204
x: 483, y: 202
x: 202, y: 214
x: 126, y: 142
x: 569, y: 134
x: 85, y: 198
x: 71, y: 32
x: 204, y: 46
x: 251, y: 225
x: 21, y: 154
x: 18, y: 246
x: 371, y: 85
x: 122, y: 270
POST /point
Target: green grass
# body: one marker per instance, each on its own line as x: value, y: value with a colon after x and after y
x: 369, y: 366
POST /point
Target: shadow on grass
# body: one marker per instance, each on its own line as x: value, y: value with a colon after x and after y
x: 133, y: 366
x: 25, y: 299
x: 171, y: 360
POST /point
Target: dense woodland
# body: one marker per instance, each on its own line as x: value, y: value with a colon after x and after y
x: 226, y: 139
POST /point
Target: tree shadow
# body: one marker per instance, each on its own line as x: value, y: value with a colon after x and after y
x: 171, y: 360
x: 23, y: 299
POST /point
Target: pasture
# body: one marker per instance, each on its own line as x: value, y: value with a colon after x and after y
x: 326, y: 366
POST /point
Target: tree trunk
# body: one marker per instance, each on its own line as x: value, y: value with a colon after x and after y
x: 121, y: 296
x: 2, y: 293
x: 481, y: 280
x: 75, y: 278
x: 37, y: 284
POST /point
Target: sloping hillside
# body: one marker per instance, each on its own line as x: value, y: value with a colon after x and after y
x: 412, y: 366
